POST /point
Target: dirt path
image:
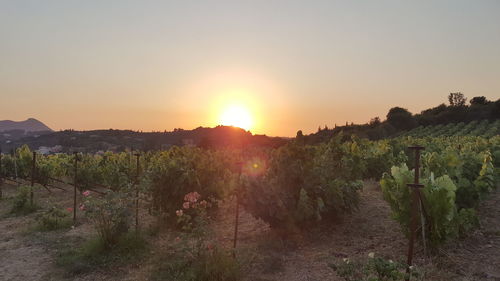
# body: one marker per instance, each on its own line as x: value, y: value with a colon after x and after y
x: 477, y: 257
x: 266, y: 257
x: 371, y: 229
x: 19, y: 259
x: 368, y: 230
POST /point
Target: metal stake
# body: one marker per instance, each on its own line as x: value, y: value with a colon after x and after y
x: 235, y: 239
x: 137, y: 193
x: 74, y: 187
x: 15, y: 164
x: 33, y: 171
x: 1, y: 175
x: 415, y: 192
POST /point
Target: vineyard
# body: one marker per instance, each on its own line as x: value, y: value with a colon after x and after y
x: 482, y: 128
x: 133, y: 196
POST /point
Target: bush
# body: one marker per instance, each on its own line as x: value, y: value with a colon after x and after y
x: 95, y: 253
x: 194, y: 213
x: 443, y: 219
x: 53, y: 218
x: 213, y: 264
x: 304, y: 184
x: 195, y: 257
x: 109, y: 213
x: 174, y: 173
x: 375, y: 268
x: 21, y: 201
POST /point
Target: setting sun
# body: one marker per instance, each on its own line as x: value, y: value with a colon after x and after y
x: 237, y: 116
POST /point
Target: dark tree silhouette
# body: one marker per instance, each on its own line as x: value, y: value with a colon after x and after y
x: 401, y: 118
x: 479, y: 101
x: 457, y: 99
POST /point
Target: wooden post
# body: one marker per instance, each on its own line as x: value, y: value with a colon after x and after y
x: 137, y: 193
x: 74, y: 187
x: 33, y: 171
x: 1, y: 175
x: 237, y: 215
x: 15, y: 164
x: 415, y: 200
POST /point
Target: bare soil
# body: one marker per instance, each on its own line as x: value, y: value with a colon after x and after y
x: 26, y: 254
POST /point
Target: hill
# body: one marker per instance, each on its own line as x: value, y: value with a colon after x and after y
x: 399, y: 120
x: 120, y: 140
x: 29, y: 125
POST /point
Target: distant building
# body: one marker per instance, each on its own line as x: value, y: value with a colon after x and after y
x: 44, y: 150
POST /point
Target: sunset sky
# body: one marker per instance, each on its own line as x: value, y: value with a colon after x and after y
x: 160, y: 65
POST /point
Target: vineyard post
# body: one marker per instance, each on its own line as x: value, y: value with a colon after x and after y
x: 15, y: 164
x: 74, y: 187
x: 33, y: 171
x: 237, y: 209
x: 1, y: 178
x: 130, y: 157
x: 415, y: 199
x: 137, y: 193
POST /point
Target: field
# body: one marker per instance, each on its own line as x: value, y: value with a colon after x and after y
x: 334, y: 211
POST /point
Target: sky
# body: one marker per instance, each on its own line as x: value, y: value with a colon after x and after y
x: 292, y: 65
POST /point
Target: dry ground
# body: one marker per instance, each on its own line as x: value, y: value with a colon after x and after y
x: 30, y: 255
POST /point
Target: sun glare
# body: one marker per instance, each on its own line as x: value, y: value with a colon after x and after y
x: 237, y: 116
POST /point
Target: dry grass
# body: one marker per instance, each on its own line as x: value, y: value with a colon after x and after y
x: 264, y: 256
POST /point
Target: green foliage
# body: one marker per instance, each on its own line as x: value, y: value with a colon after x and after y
x: 467, y: 220
x: 53, y: 218
x: 110, y: 215
x: 174, y: 173
x: 193, y: 216
x: 485, y: 182
x: 439, y: 202
x: 193, y: 256
x: 21, y: 201
x: 484, y: 128
x: 373, y: 269
x: 212, y: 265
x: 397, y: 193
x: 95, y: 254
x: 457, y: 176
x: 306, y: 184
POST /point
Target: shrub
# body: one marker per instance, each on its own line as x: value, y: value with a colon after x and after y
x: 193, y: 214
x: 53, y: 218
x: 109, y: 213
x: 304, y: 185
x: 213, y: 264
x: 172, y: 174
x: 94, y: 253
x: 443, y: 219
x: 375, y: 268
x: 21, y: 201
x: 195, y: 257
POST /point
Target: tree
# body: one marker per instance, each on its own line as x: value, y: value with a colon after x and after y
x: 481, y: 100
x: 457, y: 99
x: 300, y: 138
x: 401, y: 118
x: 374, y: 121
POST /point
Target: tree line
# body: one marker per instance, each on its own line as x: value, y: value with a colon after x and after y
x: 399, y: 119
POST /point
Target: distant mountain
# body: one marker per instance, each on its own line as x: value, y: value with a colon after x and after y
x: 29, y: 125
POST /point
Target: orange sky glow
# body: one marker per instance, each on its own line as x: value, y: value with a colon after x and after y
x: 284, y: 65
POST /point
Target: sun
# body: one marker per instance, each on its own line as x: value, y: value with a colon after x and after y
x: 237, y: 116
